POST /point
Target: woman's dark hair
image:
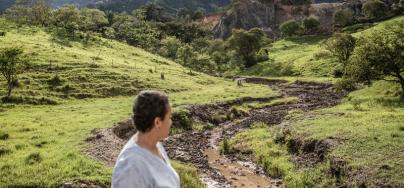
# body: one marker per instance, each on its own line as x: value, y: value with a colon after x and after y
x: 149, y: 105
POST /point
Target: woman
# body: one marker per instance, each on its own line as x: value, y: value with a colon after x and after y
x: 143, y: 162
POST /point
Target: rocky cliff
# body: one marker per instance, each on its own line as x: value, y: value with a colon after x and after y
x: 269, y: 14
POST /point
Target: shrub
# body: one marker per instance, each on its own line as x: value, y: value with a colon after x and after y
x: 225, y: 149
x: 345, y: 84
x: 338, y: 72
x: 374, y: 9
x: 344, y: 17
x: 341, y: 45
x: 4, y: 136
x: 262, y: 55
x: 33, y: 158
x: 55, y: 81
x: 4, y: 151
x: 311, y: 24
x: 287, y: 69
x: 182, y: 119
x: 290, y: 28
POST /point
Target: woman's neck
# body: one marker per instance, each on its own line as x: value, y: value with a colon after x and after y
x: 147, y: 141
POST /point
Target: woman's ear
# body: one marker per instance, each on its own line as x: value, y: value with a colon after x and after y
x: 157, y: 122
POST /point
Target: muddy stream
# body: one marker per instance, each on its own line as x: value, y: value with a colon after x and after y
x: 201, y: 148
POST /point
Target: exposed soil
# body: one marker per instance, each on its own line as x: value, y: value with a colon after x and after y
x: 200, y: 148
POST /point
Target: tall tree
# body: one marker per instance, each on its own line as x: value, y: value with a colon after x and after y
x: 379, y: 55
x: 12, y: 63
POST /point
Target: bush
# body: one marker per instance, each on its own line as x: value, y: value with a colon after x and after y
x: 225, y: 149
x: 290, y: 28
x: 33, y: 158
x: 169, y: 46
x: 287, y: 69
x: 344, y: 17
x: 4, y: 136
x: 4, y: 151
x: 345, y: 84
x: 338, y: 72
x: 262, y: 55
x: 55, y: 81
x: 182, y: 119
x: 66, y: 89
x: 311, y: 24
x: 374, y: 9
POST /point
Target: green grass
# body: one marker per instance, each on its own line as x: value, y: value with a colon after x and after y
x: 44, y: 144
x: 258, y: 140
x: 188, y: 175
x: 369, y: 125
x: 296, y: 56
x: 305, y: 56
x: 106, y: 68
x: 371, y: 130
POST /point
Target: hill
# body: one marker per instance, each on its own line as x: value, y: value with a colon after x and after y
x: 42, y: 145
x: 305, y: 56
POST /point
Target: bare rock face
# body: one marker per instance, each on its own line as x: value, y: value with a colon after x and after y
x: 246, y: 14
x: 269, y: 14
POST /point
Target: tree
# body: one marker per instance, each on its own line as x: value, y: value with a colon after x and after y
x: 198, y: 14
x: 398, y: 7
x: 379, y: 55
x: 12, y: 63
x: 290, y: 28
x: 341, y: 45
x: 92, y: 19
x: 247, y: 44
x: 68, y: 17
x: 20, y: 14
x: 41, y: 12
x: 311, y: 24
x: 185, y: 54
x: 374, y: 9
x: 30, y: 12
x: 171, y: 44
x: 344, y: 17
x: 203, y: 63
x: 149, y: 12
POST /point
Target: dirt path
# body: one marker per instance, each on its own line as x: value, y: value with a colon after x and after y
x: 201, y: 148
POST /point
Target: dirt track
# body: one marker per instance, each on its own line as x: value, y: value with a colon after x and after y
x: 200, y: 148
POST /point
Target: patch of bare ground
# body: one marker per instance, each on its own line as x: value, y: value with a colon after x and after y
x: 200, y: 148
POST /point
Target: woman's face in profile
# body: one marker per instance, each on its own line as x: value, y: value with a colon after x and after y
x: 166, y: 123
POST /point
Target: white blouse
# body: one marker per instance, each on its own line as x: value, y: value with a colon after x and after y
x: 137, y: 167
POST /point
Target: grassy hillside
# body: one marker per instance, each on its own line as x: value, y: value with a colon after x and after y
x: 40, y: 145
x: 305, y: 56
x: 366, y: 131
